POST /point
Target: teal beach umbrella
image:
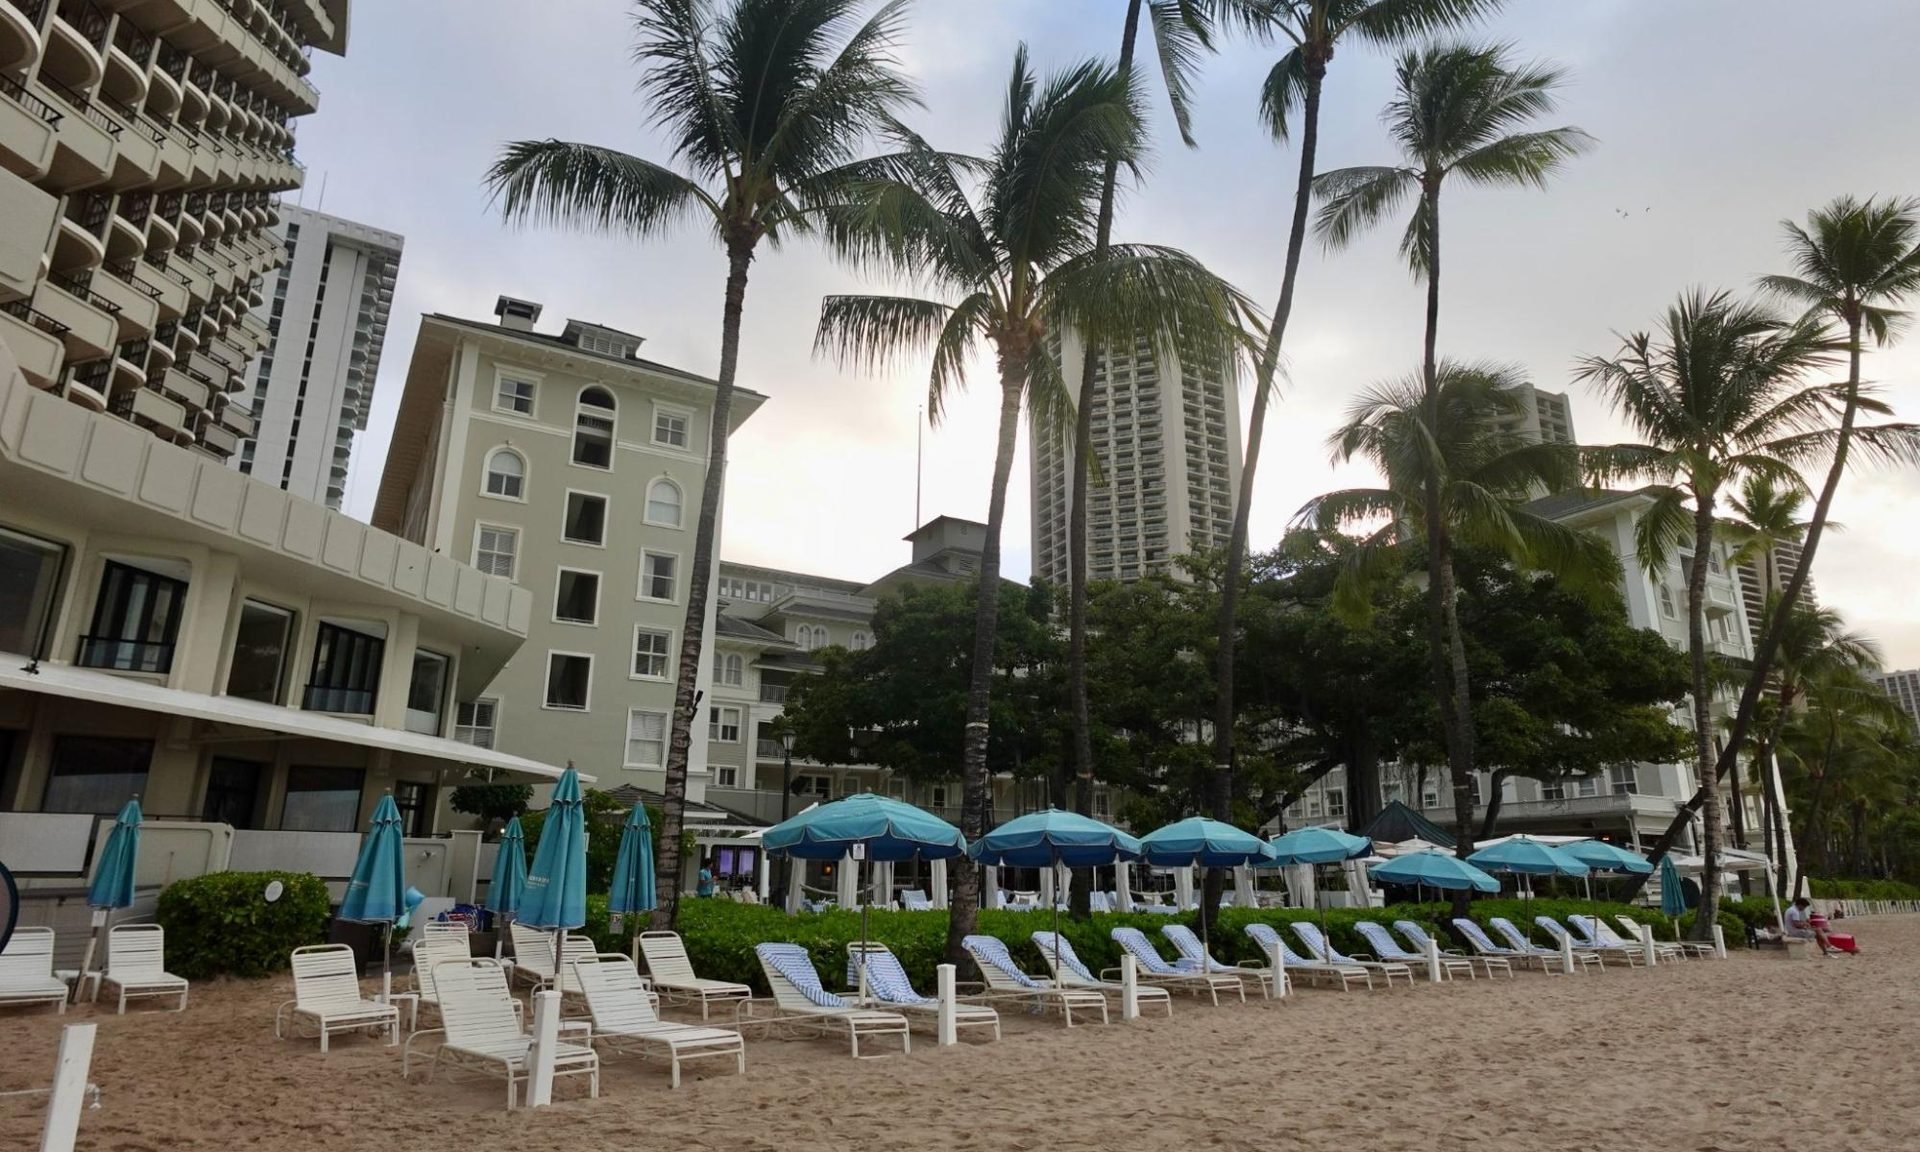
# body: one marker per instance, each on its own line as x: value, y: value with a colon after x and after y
x: 1673, y: 898
x: 112, y: 885
x: 1207, y: 844
x: 377, y: 893
x: 1435, y: 870
x: 1318, y: 846
x: 1049, y: 839
x: 633, y: 867
x: 509, y: 872
x: 556, y: 892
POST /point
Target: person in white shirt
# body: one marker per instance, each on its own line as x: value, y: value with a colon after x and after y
x: 1800, y: 924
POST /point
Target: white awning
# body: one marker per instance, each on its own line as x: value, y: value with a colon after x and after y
x: 72, y: 683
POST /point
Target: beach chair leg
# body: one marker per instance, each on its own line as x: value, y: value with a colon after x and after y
x: 323, y: 1037
x: 673, y: 1078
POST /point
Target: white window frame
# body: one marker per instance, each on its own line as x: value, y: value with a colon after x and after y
x: 492, y: 729
x: 633, y: 654
x: 599, y: 586
x: 646, y: 507
x: 861, y: 642
x: 653, y: 427
x: 726, y: 776
x: 1665, y: 595
x: 1339, y: 794
x: 606, y: 516
x: 612, y: 417
x: 641, y: 593
x: 481, y: 526
x: 717, y: 724
x: 666, y: 738
x: 546, y: 682
x: 733, y: 670
x: 486, y: 473
x: 501, y: 374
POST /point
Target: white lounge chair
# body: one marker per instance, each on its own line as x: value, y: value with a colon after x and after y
x: 1583, y: 954
x: 800, y: 999
x: 915, y: 900
x: 889, y: 987
x: 1588, y: 932
x: 428, y: 955
x: 326, y: 991
x: 26, y: 971
x: 533, y: 957
x: 624, y: 1019
x: 1006, y: 981
x: 1387, y: 948
x: 1319, y: 945
x: 482, y: 1032
x: 1483, y: 946
x: 1268, y: 938
x: 1069, y: 972
x: 136, y: 962
x: 673, y: 978
x: 1416, y: 935
x: 1682, y: 948
x: 1185, y: 977
x: 1194, y: 957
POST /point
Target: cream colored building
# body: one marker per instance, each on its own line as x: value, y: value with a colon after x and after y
x: 571, y: 467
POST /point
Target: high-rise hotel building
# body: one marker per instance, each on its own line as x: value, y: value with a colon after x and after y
x: 1166, y: 437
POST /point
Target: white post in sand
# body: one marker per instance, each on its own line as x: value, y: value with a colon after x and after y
x: 546, y: 1035
x: 1719, y: 943
x: 1434, y: 972
x: 938, y: 880
x: 1646, y: 944
x: 1129, y: 988
x: 386, y: 987
x: 1566, y: 955
x: 1276, y: 956
x: 69, y: 1088
x: 944, y: 981
x: 763, y: 878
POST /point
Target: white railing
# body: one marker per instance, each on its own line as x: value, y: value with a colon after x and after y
x: 1848, y: 908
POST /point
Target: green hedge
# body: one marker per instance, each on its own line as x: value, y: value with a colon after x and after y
x: 1864, y: 890
x: 221, y: 924
x: 720, y: 934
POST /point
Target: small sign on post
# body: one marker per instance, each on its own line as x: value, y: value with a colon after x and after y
x: 1129, y: 988
x: 944, y: 989
x: 546, y: 1037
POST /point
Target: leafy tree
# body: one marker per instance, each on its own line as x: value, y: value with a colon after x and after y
x: 491, y: 803
x: 1853, y: 754
x: 1455, y: 113
x: 1014, y: 246
x: 768, y: 104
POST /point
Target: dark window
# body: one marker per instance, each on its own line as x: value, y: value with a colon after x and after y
x: 321, y: 799
x: 593, y: 429
x: 233, y: 790
x: 135, y: 621
x: 346, y: 671
x: 426, y: 690
x: 415, y: 801
x: 586, y: 521
x: 96, y: 774
x: 576, y: 597
x: 260, y: 653
x: 29, y: 585
x: 568, y: 678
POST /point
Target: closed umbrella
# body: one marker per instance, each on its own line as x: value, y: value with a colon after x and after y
x: 1313, y: 846
x: 556, y: 892
x: 509, y: 884
x: 377, y: 893
x: 1050, y: 839
x: 1673, y: 898
x: 633, y: 867
x: 1198, y: 841
x: 112, y: 885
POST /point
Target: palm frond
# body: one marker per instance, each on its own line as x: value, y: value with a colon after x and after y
x: 1338, y: 511
x: 1524, y: 160
x: 1662, y: 528
x: 873, y: 333
x: 592, y: 188
x: 1393, y: 22
x: 825, y: 116
x: 1050, y: 405
x: 1182, y: 37
x: 1146, y: 289
x: 1283, y: 92
x: 677, y: 84
x: 965, y: 327
x: 1355, y: 199
x: 1882, y: 445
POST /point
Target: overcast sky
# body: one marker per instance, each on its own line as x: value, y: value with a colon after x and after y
x: 1716, y: 119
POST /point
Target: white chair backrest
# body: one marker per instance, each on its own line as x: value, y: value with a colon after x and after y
x: 666, y: 958
x: 616, y: 996
x: 578, y: 950
x: 137, y: 951
x: 451, y: 929
x: 28, y: 958
x: 476, y: 1009
x: 429, y: 954
x: 325, y: 976
x: 533, y: 950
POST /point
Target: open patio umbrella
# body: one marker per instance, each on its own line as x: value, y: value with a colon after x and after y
x: 1198, y: 841
x: 112, y: 885
x: 1524, y: 856
x: 633, y: 867
x: 881, y: 828
x: 1432, y: 869
x: 1604, y: 857
x: 556, y: 892
x: 1319, y: 846
x: 1050, y: 839
x: 377, y: 893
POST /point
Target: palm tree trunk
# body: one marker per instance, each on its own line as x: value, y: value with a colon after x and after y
x: 976, y: 811
x: 1704, y: 757
x: 693, y: 632
x: 1495, y: 787
x: 1236, y: 560
x: 1077, y: 515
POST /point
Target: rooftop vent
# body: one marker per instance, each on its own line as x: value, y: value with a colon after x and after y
x: 519, y: 315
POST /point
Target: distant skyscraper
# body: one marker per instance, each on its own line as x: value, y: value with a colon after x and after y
x: 1545, y: 416
x: 1753, y: 584
x: 1166, y: 435
x: 313, y: 385
x: 1904, y: 687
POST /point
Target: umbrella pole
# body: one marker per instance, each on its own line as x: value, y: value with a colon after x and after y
x: 1056, y: 917
x: 386, y: 965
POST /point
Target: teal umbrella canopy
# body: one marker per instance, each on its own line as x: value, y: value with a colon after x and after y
x: 1040, y: 839
x: 556, y: 892
x: 509, y: 884
x: 633, y: 868
x: 112, y: 885
x: 378, y: 890
x: 891, y: 830
x: 1319, y: 846
x: 1604, y: 857
x: 1435, y: 870
x: 1673, y: 898
x: 1203, y: 842
x: 1531, y: 857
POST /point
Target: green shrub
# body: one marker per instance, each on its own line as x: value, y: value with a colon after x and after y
x: 1864, y: 889
x: 221, y: 924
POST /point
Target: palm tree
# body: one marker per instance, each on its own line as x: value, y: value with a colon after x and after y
x: 1452, y: 474
x: 1847, y: 743
x: 1293, y: 86
x: 1010, y: 239
x: 768, y: 104
x: 1854, y: 262
x: 1456, y: 113
x: 1715, y: 398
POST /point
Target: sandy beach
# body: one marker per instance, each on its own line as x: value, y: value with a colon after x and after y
x: 1696, y: 1056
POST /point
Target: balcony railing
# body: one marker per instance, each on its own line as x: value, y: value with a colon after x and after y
x: 21, y: 310
x: 133, y: 119
x: 773, y: 693
x: 81, y: 286
x: 120, y: 655
x: 17, y: 92
x: 132, y: 41
x: 90, y: 21
x: 354, y: 701
x: 83, y: 106
x: 173, y: 61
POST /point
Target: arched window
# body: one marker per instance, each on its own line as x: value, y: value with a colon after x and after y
x: 860, y: 642
x: 733, y: 670
x: 593, y: 428
x: 506, y: 474
x: 663, y: 503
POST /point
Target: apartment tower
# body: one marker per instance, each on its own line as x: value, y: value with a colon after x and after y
x: 1166, y: 436
x: 311, y: 389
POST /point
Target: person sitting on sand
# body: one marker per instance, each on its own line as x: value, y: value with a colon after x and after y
x: 1801, y: 926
